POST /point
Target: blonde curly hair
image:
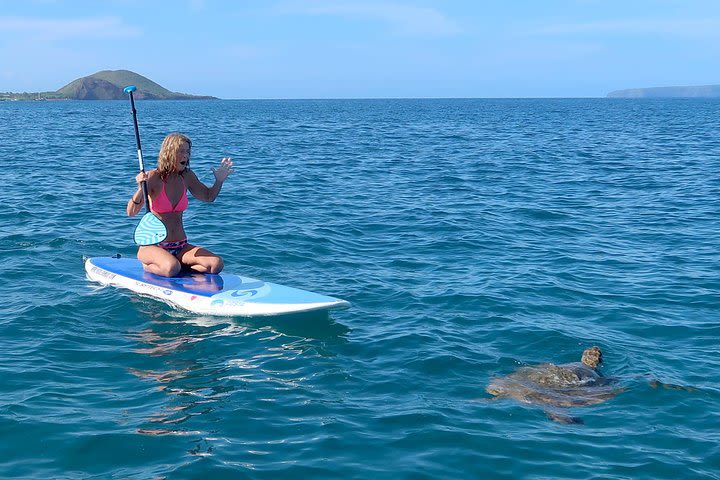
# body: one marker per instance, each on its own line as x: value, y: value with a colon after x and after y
x: 169, y: 151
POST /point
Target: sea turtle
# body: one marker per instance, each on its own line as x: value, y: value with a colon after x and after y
x: 559, y: 386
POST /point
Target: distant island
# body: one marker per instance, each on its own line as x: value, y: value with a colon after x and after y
x: 106, y: 85
x: 702, y: 91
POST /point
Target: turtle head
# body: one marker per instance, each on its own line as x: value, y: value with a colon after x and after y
x: 496, y: 387
x: 592, y: 357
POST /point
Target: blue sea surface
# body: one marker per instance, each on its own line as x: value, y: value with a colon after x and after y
x: 472, y: 237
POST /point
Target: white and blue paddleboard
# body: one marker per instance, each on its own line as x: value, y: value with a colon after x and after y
x: 223, y: 294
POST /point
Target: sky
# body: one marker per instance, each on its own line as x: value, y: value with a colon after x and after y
x: 365, y: 48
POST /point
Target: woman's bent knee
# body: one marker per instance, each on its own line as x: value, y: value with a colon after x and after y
x: 216, y: 266
x: 165, y: 270
x: 159, y: 262
x: 171, y: 270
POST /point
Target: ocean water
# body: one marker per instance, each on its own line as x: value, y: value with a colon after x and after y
x: 472, y: 237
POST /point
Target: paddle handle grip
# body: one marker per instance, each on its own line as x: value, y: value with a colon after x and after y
x: 129, y: 90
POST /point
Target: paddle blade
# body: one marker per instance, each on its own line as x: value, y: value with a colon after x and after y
x: 150, y: 230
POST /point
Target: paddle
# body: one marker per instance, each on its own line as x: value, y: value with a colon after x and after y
x: 150, y: 230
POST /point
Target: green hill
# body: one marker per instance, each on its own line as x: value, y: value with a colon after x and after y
x: 107, y: 85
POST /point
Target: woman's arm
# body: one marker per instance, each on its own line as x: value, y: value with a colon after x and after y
x: 136, y: 202
x: 201, y: 191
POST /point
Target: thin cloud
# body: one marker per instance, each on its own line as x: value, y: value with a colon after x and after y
x: 691, y: 27
x: 94, y: 27
x: 403, y: 19
x: 197, y: 5
x: 242, y: 52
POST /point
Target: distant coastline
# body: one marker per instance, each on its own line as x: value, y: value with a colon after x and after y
x: 702, y: 91
x: 109, y: 85
x: 106, y: 85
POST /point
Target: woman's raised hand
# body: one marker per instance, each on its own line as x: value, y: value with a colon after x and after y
x: 224, y: 170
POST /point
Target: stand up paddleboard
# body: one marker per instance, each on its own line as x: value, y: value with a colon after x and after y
x: 223, y: 294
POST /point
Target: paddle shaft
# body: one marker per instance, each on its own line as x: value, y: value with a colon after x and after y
x: 143, y: 184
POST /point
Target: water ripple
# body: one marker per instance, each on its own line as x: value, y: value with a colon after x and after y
x: 471, y: 236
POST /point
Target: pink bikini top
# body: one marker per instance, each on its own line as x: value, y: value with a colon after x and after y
x: 162, y: 203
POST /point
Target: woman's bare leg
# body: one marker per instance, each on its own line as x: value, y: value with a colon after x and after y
x: 201, y: 260
x: 158, y: 261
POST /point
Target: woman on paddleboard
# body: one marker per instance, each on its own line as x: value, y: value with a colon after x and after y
x: 167, y: 188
